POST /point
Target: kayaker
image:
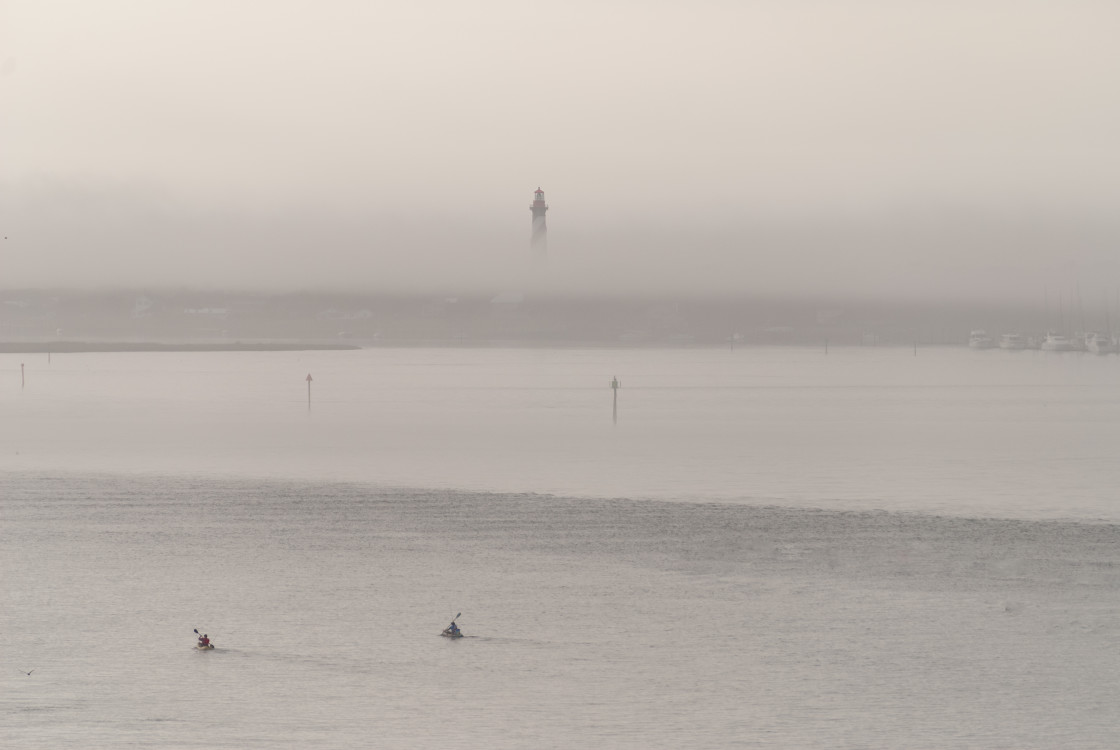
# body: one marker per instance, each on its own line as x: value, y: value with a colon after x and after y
x: 453, y: 628
x: 204, y: 640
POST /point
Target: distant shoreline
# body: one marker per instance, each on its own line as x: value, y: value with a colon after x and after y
x: 73, y: 347
x: 108, y: 347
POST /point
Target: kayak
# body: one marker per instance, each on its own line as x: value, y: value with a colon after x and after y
x: 205, y: 648
x: 449, y: 634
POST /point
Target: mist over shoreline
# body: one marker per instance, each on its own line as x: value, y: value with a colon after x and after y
x: 79, y: 236
x: 516, y: 318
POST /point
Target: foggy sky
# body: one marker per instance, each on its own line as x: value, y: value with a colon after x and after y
x: 935, y: 150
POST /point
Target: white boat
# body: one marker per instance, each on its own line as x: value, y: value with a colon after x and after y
x: 979, y: 339
x: 1098, y: 343
x: 205, y: 648
x: 1012, y: 341
x: 1057, y: 342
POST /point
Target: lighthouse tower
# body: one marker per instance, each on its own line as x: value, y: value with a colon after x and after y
x: 538, y: 242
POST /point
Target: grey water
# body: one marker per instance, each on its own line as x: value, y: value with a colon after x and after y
x: 771, y: 548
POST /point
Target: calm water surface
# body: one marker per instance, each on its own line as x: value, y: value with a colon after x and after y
x: 1021, y: 434
x: 771, y: 548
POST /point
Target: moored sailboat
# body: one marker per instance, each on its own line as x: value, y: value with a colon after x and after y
x: 1099, y: 343
x: 979, y: 339
x: 1057, y: 342
x: 1012, y: 341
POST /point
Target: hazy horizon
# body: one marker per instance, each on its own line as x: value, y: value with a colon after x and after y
x: 857, y: 150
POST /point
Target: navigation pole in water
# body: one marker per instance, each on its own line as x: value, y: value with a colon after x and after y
x: 615, y: 385
x: 309, y: 391
x: 538, y: 241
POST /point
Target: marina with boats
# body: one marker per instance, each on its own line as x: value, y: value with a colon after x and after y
x: 1052, y: 341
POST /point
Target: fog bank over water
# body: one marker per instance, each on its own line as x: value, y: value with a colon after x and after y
x: 75, y: 320
x: 126, y: 238
x: 960, y: 153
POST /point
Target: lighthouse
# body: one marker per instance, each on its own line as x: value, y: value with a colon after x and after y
x: 538, y: 241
